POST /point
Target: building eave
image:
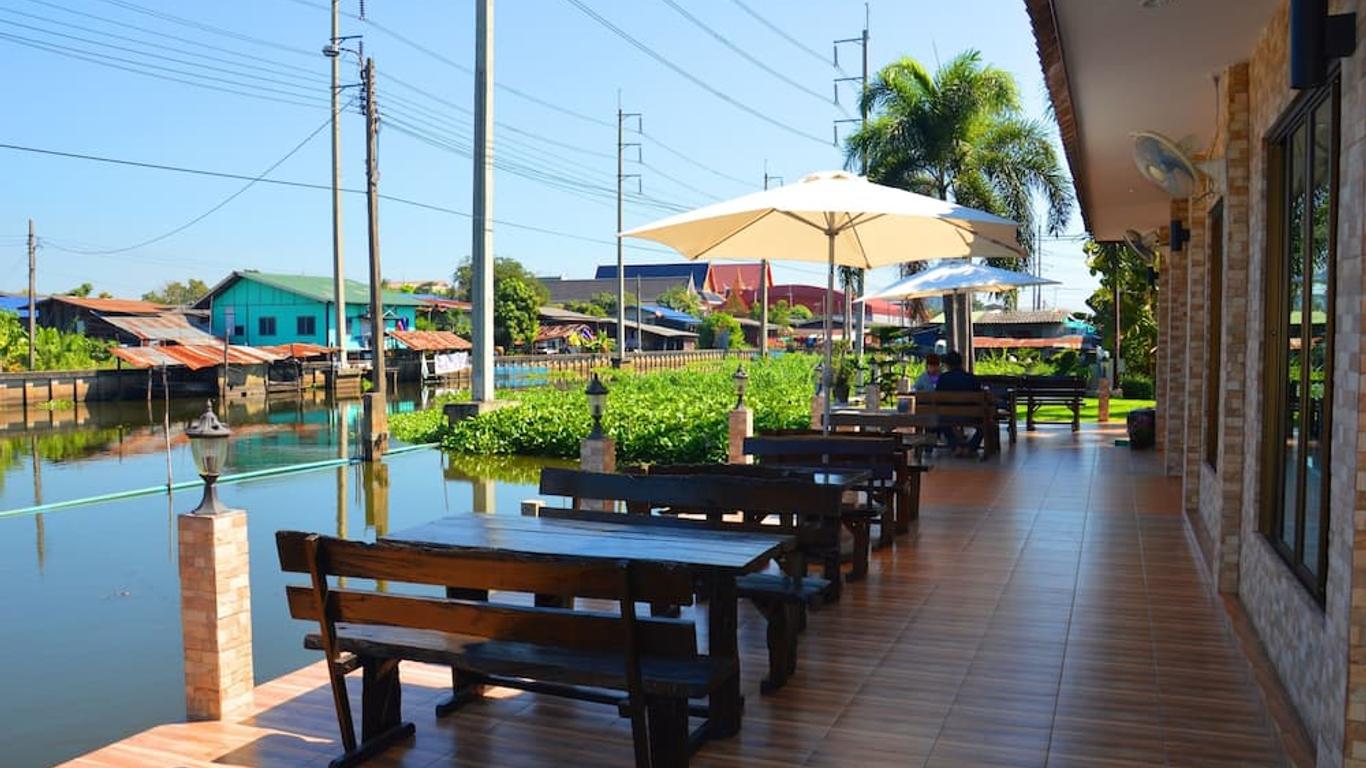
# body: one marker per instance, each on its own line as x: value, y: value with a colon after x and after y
x: 1053, y: 61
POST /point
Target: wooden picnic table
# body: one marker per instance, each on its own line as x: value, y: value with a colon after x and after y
x: 715, y: 558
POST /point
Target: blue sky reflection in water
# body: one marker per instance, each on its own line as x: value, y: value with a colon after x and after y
x: 91, y: 596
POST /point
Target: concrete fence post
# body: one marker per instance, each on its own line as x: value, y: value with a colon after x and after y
x: 597, y: 454
x: 1103, y: 395
x: 817, y: 410
x: 215, y: 614
x: 740, y: 425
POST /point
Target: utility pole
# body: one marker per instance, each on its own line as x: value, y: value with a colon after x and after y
x: 640, y: 337
x: 333, y: 52
x: 763, y: 283
x: 376, y: 429
x: 32, y: 312
x: 622, y: 176
x: 862, y: 119
x: 1118, y: 277
x: 481, y: 258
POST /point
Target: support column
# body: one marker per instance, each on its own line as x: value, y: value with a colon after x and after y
x: 1103, y: 401
x: 740, y: 425
x: 1194, y: 348
x: 215, y: 614
x: 1176, y: 372
x: 374, y: 427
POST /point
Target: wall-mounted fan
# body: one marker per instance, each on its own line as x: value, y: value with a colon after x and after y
x: 1164, y: 163
x: 1143, y: 245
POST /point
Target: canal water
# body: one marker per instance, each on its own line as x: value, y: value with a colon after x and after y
x: 89, y: 607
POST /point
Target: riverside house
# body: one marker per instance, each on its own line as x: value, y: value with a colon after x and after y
x: 1260, y: 399
x: 272, y: 309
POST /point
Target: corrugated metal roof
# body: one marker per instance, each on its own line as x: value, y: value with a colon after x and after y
x: 193, y: 357
x: 649, y: 288
x: 560, y: 315
x: 319, y: 289
x: 112, y: 306
x: 429, y: 341
x: 997, y: 342
x: 298, y: 350
x: 163, y: 327
x: 688, y: 269
x: 549, y: 332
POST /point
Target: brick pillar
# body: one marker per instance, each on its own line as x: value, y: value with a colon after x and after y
x: 1103, y: 400
x: 215, y: 614
x: 1197, y: 320
x: 739, y: 425
x: 597, y: 454
x: 817, y: 411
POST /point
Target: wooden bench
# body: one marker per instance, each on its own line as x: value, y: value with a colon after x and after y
x: 976, y: 408
x: 1005, y: 389
x: 1038, y: 391
x: 801, y: 508
x: 652, y: 661
x: 898, y: 481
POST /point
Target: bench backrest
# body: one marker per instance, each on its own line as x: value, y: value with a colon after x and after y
x: 978, y: 404
x: 1054, y: 385
x: 700, y: 492
x: 322, y: 557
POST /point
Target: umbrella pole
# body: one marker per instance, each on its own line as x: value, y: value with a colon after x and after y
x: 828, y: 375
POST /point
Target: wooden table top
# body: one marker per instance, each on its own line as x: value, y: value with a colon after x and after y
x: 685, y: 546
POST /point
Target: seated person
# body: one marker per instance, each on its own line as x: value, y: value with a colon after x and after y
x: 956, y: 379
x: 927, y: 380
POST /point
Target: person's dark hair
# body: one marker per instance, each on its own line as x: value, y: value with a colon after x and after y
x: 932, y: 358
x: 953, y: 359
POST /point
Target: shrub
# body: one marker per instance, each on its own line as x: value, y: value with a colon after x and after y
x: 666, y: 417
x: 719, y: 325
x: 1138, y: 387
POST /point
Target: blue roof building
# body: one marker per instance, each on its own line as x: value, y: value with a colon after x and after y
x: 696, y: 270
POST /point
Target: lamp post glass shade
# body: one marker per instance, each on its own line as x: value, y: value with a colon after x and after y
x: 597, y: 403
x: 209, y: 446
x: 741, y: 383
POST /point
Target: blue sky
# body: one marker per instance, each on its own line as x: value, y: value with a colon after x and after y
x: 697, y: 146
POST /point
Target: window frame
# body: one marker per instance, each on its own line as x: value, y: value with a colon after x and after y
x: 261, y: 323
x: 310, y: 321
x: 1277, y: 308
x: 1214, y: 349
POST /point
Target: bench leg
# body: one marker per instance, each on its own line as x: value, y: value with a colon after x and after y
x: 1076, y: 415
x: 668, y: 727
x: 464, y: 687
x: 782, y: 642
x: 862, y: 530
x: 723, y: 642
x: 381, y: 712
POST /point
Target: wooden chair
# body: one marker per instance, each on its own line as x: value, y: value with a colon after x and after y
x: 735, y: 503
x: 653, y: 661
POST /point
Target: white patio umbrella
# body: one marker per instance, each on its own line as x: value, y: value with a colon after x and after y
x: 954, y: 279
x: 838, y: 218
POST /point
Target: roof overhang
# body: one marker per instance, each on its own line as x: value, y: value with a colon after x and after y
x: 1116, y: 67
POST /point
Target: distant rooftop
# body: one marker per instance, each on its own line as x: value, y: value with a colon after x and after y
x: 313, y: 287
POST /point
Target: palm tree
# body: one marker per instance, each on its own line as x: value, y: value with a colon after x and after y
x: 960, y: 134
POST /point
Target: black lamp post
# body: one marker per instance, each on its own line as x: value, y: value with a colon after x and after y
x: 209, y: 446
x: 741, y: 380
x: 597, y: 402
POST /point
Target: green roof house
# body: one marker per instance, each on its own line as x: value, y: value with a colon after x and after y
x: 267, y: 309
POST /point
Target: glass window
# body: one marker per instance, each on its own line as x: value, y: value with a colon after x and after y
x: 306, y: 325
x: 1299, y: 301
x: 265, y: 326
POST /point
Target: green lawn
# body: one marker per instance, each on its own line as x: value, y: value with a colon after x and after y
x: 1089, y: 407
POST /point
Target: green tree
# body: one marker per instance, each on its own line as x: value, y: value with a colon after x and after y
x: 1117, y: 264
x: 719, y: 327
x: 81, y: 290
x: 585, y: 308
x: 801, y: 312
x: 178, y: 293
x: 601, y: 304
x: 503, y: 269
x: 516, y: 308
x: 960, y: 134
x: 681, y: 299
x: 779, y: 313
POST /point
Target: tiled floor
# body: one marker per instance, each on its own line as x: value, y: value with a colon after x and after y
x: 1046, y: 610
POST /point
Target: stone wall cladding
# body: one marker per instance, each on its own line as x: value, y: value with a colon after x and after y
x: 1307, y: 643
x: 1349, y: 412
x: 1195, y: 351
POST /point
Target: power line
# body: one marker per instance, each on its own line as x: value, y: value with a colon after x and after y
x: 741, y: 52
x: 306, y: 185
x: 690, y: 77
x: 209, y: 28
x: 222, y: 203
x: 688, y: 159
x: 775, y: 29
